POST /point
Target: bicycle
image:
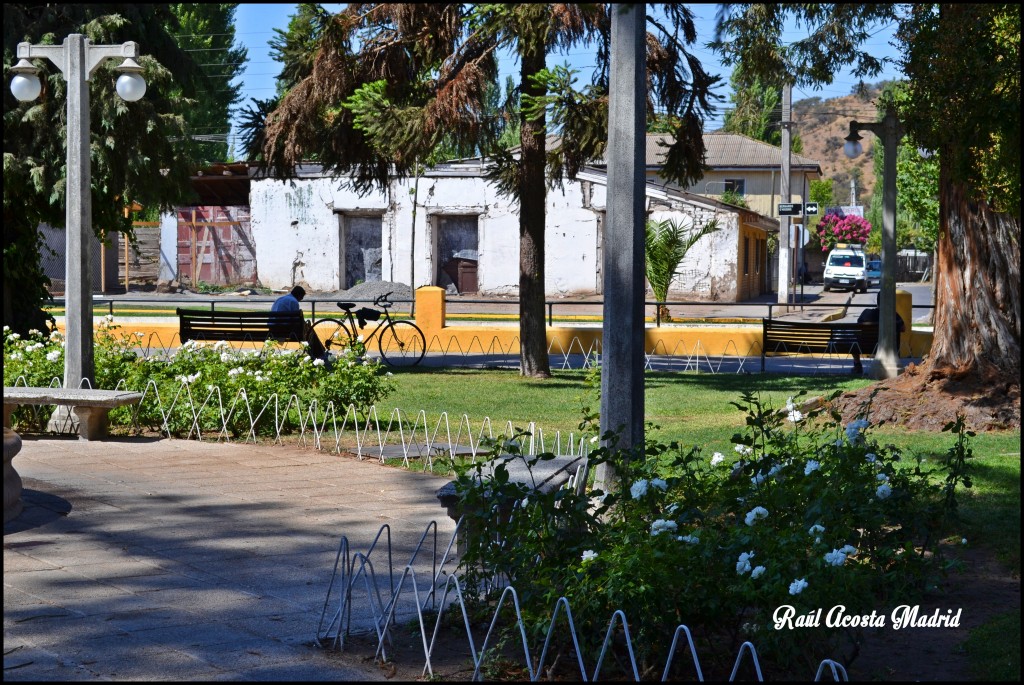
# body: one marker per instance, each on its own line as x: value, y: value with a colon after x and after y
x: 401, y: 343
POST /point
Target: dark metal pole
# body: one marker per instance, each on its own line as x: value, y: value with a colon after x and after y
x: 622, y: 348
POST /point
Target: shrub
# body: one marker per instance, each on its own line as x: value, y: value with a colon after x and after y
x: 200, y: 382
x: 806, y: 513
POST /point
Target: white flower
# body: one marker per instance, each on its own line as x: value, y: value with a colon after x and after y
x: 835, y: 558
x: 882, y: 477
x: 225, y: 357
x: 589, y: 555
x: 140, y: 335
x: 797, y: 586
x: 391, y: 374
x: 660, y: 484
x: 758, y: 570
x: 34, y: 331
x: 671, y: 509
x: 638, y: 489
x: 661, y: 526
x: 717, y: 458
x: 756, y: 514
x: 790, y: 405
x: 963, y: 541
x: 109, y: 317
x: 16, y: 355
x: 883, y: 491
x: 795, y: 416
x: 318, y: 362
x: 871, y: 457
x: 53, y: 356
x: 848, y: 550
x: 811, y: 467
x: 689, y: 539
x: 15, y: 336
x: 743, y: 449
x: 7, y: 329
x: 816, y: 529
x: 209, y: 388
x: 743, y: 563
x: 758, y: 478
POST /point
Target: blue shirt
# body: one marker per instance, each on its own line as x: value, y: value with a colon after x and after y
x: 286, y: 303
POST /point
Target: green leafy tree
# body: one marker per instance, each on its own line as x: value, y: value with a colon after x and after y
x: 917, y: 188
x: 665, y: 246
x: 391, y: 83
x: 133, y: 156
x: 962, y: 62
x: 296, y: 47
x: 207, y: 32
x: 821, y: 192
x: 757, y: 110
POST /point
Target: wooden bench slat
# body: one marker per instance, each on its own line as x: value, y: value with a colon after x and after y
x: 805, y: 337
x: 244, y: 326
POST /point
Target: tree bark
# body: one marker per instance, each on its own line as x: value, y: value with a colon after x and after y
x: 533, y: 352
x: 977, y: 295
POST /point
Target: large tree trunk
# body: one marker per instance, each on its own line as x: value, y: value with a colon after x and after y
x: 533, y: 355
x: 977, y: 294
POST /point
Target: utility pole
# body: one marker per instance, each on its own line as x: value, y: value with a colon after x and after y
x: 785, y: 266
x: 622, y: 346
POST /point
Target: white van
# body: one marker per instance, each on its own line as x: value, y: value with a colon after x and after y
x: 846, y: 268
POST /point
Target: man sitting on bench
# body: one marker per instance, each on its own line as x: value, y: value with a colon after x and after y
x: 290, y: 322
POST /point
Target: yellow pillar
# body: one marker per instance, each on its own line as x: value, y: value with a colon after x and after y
x: 430, y: 313
x: 904, y: 307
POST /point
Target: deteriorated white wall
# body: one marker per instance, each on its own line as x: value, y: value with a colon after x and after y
x: 297, y: 230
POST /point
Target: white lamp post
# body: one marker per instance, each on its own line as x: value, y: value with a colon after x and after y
x: 77, y: 60
x: 890, y: 132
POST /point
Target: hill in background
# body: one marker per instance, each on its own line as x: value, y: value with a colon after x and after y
x: 823, y: 126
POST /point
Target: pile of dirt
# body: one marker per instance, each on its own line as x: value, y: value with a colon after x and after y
x: 915, y: 401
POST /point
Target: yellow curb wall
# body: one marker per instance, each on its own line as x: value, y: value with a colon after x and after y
x: 503, y: 338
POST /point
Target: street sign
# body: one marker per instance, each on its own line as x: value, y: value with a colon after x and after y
x: 811, y: 208
x: 791, y: 209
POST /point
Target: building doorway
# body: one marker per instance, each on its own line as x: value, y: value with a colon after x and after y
x: 361, y: 249
x: 457, y: 252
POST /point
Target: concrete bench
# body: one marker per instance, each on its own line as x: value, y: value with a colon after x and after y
x: 90, y: 406
x: 545, y: 476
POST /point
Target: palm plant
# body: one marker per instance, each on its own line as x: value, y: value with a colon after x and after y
x: 665, y: 245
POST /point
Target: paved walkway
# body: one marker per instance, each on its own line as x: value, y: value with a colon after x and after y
x: 145, y: 559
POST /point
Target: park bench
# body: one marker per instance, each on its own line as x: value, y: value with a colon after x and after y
x: 239, y: 326
x: 91, y: 406
x: 805, y: 337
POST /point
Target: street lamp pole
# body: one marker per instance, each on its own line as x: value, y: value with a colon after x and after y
x: 77, y: 60
x: 890, y: 132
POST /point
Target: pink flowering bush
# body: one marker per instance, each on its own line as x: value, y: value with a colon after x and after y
x: 834, y: 229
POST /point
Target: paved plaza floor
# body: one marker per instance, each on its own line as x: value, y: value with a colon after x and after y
x: 165, y: 559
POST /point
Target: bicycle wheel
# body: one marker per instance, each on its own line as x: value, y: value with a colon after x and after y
x: 402, y: 344
x: 333, y: 333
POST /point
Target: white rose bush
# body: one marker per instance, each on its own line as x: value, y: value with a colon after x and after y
x: 204, y: 378
x: 685, y: 539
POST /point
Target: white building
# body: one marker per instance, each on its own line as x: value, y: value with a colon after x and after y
x: 317, y: 231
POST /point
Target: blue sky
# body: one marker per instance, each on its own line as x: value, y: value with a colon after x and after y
x: 255, y: 24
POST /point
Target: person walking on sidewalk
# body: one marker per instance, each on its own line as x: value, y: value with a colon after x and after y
x: 291, y: 322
